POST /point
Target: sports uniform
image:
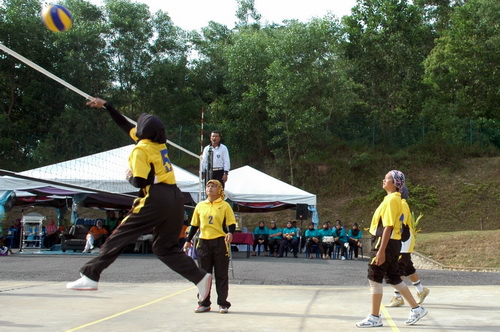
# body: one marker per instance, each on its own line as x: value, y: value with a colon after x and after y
x: 406, y: 267
x: 386, y: 229
x: 160, y: 206
x: 212, y: 218
x: 387, y: 215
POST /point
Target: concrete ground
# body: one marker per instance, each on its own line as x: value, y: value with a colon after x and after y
x: 48, y: 306
x: 137, y: 293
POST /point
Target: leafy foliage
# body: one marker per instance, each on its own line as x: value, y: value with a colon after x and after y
x: 394, y: 82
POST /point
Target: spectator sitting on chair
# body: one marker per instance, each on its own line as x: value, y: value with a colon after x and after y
x: 354, y: 237
x: 141, y: 240
x: 290, y: 239
x: 275, y: 238
x: 111, y: 221
x: 260, y: 236
x: 326, y: 234
x: 96, y: 235
x: 340, y: 238
x: 51, y: 234
x: 313, y: 238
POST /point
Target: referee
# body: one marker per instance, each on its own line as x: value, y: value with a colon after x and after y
x: 217, y: 167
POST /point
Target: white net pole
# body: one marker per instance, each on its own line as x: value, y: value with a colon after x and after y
x: 71, y: 87
x: 43, y: 71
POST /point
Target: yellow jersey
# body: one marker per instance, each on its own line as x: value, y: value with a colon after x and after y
x: 149, y: 156
x: 388, y: 214
x: 211, y: 217
x: 408, y: 245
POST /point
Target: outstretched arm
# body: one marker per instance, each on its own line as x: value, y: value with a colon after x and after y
x: 119, y: 119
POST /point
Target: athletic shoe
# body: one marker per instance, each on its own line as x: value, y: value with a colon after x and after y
x: 84, y: 283
x: 202, y: 309
x: 204, y: 287
x: 422, y: 295
x: 223, y: 309
x: 370, y: 321
x: 415, y: 315
x: 343, y: 258
x: 396, y: 302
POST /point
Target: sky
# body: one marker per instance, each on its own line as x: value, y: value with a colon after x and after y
x: 195, y: 14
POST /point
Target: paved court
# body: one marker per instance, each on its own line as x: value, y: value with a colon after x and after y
x: 138, y: 293
x: 48, y: 306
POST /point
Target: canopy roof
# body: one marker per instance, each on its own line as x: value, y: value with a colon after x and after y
x: 105, y: 171
x: 248, y: 185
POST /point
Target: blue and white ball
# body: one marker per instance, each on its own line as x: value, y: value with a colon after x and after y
x: 57, y: 18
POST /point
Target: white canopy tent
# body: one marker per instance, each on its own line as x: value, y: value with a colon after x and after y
x: 105, y: 171
x: 246, y: 184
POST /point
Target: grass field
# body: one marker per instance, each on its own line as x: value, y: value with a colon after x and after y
x: 468, y: 249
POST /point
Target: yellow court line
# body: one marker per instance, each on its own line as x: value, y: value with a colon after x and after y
x: 389, y: 319
x: 15, y: 285
x: 129, y: 310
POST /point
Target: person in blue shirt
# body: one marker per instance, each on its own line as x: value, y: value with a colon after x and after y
x: 275, y: 238
x: 326, y: 234
x: 354, y: 237
x: 290, y: 239
x: 312, y: 238
x: 260, y: 236
x: 340, y: 238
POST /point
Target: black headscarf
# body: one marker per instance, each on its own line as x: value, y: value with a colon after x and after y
x: 151, y: 127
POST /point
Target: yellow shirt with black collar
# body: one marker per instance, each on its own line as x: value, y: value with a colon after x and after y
x: 210, y: 217
x: 388, y: 214
x: 147, y: 153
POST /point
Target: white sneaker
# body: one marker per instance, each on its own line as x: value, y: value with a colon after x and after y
x: 415, y: 315
x: 223, y: 309
x: 343, y: 258
x: 84, y: 283
x: 370, y: 321
x: 204, y: 287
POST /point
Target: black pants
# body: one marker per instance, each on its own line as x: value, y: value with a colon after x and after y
x: 216, y: 175
x: 319, y: 247
x: 162, y: 210
x: 343, y: 249
x: 354, y: 245
x: 274, y: 245
x: 213, y: 256
x: 293, y: 243
x: 390, y: 269
x: 327, y: 248
x: 256, y: 243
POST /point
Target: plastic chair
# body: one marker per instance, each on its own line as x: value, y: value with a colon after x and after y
x: 337, y: 251
x: 350, y: 255
x: 258, y: 248
x: 315, y: 249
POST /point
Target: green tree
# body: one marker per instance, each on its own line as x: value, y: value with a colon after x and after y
x: 464, y: 67
x: 247, y: 14
x: 31, y: 102
x: 305, y: 90
x: 386, y: 42
x: 437, y: 13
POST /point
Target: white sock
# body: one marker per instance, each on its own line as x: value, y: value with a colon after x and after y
x: 397, y: 295
x: 418, y: 286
